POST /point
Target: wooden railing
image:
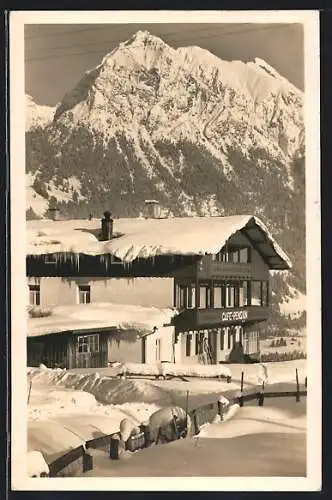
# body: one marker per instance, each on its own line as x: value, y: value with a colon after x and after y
x: 199, y: 416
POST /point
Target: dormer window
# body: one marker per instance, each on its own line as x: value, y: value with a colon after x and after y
x: 233, y: 254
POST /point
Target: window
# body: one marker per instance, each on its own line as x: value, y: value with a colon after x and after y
x: 185, y: 296
x: 230, y: 295
x: 265, y: 294
x: 221, y: 256
x: 192, y: 297
x: 236, y: 296
x: 256, y: 293
x: 244, y: 255
x: 233, y: 254
x: 84, y: 294
x: 88, y: 343
x: 228, y: 338
x: 243, y: 294
x: 188, y: 344
x: 34, y: 295
x: 218, y: 296
x: 182, y: 297
x: 158, y: 349
x: 196, y: 343
x: 222, y: 339
x: 205, y: 297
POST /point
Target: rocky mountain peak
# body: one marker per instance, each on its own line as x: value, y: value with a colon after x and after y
x: 37, y: 115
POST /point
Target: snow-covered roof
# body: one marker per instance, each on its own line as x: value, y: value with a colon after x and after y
x: 100, y: 315
x: 144, y: 238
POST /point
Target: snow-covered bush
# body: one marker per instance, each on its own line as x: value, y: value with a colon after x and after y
x: 175, y: 370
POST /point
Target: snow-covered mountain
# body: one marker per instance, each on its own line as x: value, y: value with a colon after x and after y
x: 202, y: 135
x: 37, y: 115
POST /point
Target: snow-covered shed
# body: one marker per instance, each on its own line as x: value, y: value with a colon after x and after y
x: 95, y: 335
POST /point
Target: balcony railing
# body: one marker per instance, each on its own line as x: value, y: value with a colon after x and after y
x: 203, y: 318
x: 212, y: 269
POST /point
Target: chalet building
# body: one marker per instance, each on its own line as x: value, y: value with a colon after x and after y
x: 214, y: 271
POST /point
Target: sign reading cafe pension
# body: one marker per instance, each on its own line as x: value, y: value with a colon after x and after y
x: 229, y: 316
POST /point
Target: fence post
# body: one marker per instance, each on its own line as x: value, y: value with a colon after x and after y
x: 297, y: 387
x: 241, y: 396
x: 147, y: 439
x: 196, y: 426
x: 87, y: 462
x: 114, y: 447
x: 261, y: 396
x: 305, y: 382
x: 220, y: 410
x: 29, y: 393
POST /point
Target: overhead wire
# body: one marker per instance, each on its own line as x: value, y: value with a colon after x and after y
x: 164, y: 35
x: 198, y: 38
x: 114, y: 26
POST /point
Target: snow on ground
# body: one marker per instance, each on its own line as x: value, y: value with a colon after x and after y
x: 59, y: 420
x: 49, y: 402
x: 36, y: 464
x: 65, y: 407
x: 256, y: 441
x: 118, y: 391
x: 283, y: 416
x: 176, y: 369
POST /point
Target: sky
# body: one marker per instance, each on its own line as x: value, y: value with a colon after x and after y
x: 57, y: 56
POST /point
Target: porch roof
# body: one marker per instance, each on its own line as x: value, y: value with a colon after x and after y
x: 98, y: 316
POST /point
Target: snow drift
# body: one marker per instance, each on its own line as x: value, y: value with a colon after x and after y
x: 176, y: 370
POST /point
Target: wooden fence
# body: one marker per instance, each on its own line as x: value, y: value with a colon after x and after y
x: 199, y: 416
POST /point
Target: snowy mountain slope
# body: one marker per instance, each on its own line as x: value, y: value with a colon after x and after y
x: 145, y: 84
x: 201, y: 135
x: 37, y: 115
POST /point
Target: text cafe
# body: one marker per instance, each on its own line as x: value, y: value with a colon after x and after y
x: 214, y: 345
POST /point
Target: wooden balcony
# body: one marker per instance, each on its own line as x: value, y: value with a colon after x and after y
x: 212, y: 318
x: 210, y: 269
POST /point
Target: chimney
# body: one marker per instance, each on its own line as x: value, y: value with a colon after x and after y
x: 106, y: 227
x: 152, y: 209
x: 53, y: 213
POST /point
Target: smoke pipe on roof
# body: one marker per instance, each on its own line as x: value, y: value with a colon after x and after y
x: 106, y: 227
